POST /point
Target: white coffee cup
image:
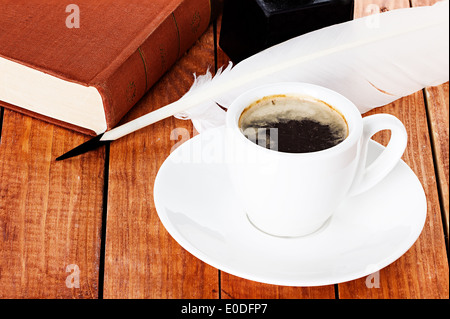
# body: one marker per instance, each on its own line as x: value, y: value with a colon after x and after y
x: 294, y: 194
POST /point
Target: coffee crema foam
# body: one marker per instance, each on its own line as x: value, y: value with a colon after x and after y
x: 293, y: 124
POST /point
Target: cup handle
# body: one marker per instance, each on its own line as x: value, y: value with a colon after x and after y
x: 367, y: 177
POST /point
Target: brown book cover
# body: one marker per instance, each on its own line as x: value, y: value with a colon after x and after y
x: 119, y: 48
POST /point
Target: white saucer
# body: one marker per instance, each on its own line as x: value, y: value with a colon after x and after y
x: 197, y: 205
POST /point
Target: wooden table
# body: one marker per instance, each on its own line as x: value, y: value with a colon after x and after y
x: 87, y: 227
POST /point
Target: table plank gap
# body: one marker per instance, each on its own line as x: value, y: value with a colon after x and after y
x: 216, y: 61
x: 2, y: 110
x: 101, y: 271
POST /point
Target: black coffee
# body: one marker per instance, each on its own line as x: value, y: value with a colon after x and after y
x: 293, y: 124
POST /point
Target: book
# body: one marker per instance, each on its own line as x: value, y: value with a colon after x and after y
x: 84, y: 65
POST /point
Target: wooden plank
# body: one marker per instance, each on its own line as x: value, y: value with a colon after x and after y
x: 423, y: 271
x: 233, y: 287
x: 142, y: 259
x: 421, y: 3
x: 438, y: 115
x: 50, y: 212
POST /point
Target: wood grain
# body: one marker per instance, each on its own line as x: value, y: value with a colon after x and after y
x: 423, y: 271
x: 142, y: 259
x: 50, y: 212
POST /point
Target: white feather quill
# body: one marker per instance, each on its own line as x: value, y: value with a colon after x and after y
x: 372, y: 64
